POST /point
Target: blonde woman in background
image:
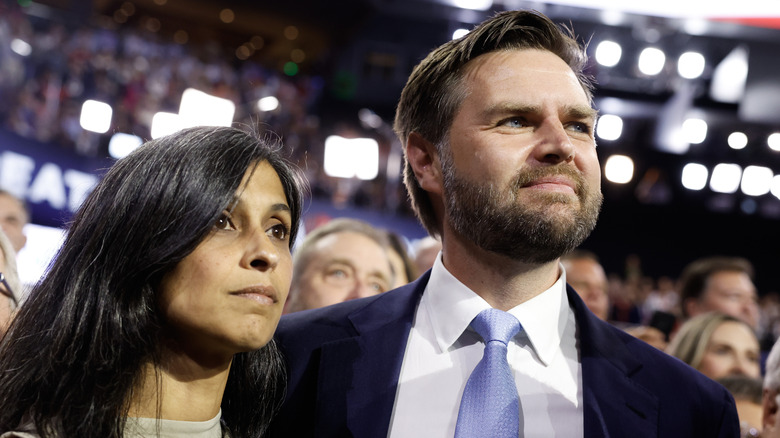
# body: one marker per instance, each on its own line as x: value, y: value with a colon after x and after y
x: 718, y: 345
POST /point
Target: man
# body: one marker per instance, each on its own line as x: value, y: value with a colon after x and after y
x: 586, y: 275
x: 723, y: 284
x: 500, y: 163
x: 771, y: 397
x: 13, y: 218
x: 339, y: 261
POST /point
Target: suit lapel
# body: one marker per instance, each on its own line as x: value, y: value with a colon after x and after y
x: 612, y: 401
x: 359, y: 375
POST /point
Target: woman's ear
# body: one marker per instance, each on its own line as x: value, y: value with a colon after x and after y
x: 424, y: 160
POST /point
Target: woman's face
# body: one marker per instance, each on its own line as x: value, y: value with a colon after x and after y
x: 732, y: 349
x: 227, y: 295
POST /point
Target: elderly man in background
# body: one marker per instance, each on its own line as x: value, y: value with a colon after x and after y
x: 339, y: 261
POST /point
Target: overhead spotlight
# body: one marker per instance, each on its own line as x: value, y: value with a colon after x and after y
x: 737, y: 140
x: 726, y: 178
x: 690, y: 65
x: 166, y: 123
x: 612, y: 17
x: 268, y: 103
x: 21, y: 47
x: 756, y: 180
x: 609, y: 127
x: 476, y: 5
x: 694, y: 176
x: 122, y: 144
x: 201, y: 109
x: 729, y: 77
x: 95, y: 116
x: 619, y: 169
x: 773, y: 141
x: 694, y: 130
x: 651, y: 61
x: 459, y: 33
x: 776, y: 186
x: 351, y: 157
x: 608, y: 53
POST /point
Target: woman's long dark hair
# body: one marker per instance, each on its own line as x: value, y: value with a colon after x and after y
x: 74, y: 352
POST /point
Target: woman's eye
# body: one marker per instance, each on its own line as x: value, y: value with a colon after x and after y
x: 224, y: 223
x: 279, y: 231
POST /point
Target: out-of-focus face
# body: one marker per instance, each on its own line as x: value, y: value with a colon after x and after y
x: 13, y: 218
x: 587, y: 277
x: 5, y: 303
x: 732, y: 350
x: 340, y: 267
x: 227, y: 295
x: 732, y: 293
x: 521, y: 177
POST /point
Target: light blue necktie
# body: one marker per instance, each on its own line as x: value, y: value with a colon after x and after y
x: 490, y: 406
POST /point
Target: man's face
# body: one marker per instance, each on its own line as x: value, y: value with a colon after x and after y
x: 521, y: 176
x: 340, y: 267
x: 13, y: 218
x: 587, y: 277
x: 732, y: 293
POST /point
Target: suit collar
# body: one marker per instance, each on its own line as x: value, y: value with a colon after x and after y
x: 367, y: 366
x: 611, y: 398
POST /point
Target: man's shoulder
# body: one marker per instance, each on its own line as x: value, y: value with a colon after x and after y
x: 662, y: 372
x: 342, y: 319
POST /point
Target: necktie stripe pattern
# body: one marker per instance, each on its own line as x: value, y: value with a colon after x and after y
x: 490, y: 406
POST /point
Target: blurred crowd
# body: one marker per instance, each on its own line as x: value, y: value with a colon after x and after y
x: 138, y: 73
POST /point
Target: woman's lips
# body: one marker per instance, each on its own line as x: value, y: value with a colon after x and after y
x: 260, y: 294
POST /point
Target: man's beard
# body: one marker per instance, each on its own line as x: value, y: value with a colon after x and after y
x: 496, y: 221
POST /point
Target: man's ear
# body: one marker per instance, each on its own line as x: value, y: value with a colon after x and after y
x: 424, y: 160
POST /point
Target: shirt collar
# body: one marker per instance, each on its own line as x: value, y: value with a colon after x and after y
x: 451, y: 306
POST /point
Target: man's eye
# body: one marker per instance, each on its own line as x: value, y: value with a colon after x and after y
x: 513, y: 122
x: 580, y: 127
x: 378, y: 287
x: 338, y: 274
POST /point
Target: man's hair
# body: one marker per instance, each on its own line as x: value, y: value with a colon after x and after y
x: 304, y: 250
x: 693, y: 279
x: 435, y: 90
x: 772, y: 367
x: 86, y: 330
x: 690, y: 342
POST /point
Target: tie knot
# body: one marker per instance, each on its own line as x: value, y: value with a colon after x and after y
x: 495, y: 325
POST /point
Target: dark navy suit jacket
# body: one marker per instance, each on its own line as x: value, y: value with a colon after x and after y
x: 344, y: 362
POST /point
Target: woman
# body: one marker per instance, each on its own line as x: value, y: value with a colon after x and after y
x: 157, y: 314
x: 718, y: 345
x: 10, y: 287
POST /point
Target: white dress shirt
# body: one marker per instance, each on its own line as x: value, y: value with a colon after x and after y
x: 443, y: 350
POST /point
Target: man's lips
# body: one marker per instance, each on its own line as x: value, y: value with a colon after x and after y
x: 260, y: 294
x: 557, y: 183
